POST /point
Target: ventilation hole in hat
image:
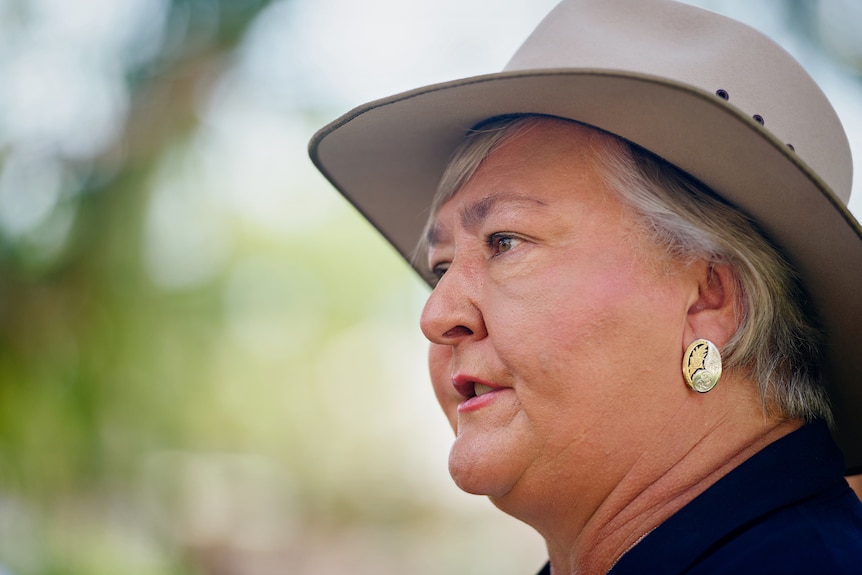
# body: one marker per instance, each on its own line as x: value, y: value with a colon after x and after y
x: 722, y: 94
x: 758, y: 118
x: 792, y: 149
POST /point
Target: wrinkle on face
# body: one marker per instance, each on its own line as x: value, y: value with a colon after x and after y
x: 578, y: 319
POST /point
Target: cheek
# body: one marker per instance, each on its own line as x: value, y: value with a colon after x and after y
x: 590, y: 327
x: 559, y: 310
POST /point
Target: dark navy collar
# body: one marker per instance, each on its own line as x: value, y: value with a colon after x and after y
x: 794, y: 468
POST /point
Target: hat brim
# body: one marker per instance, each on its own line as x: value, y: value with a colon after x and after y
x: 386, y: 158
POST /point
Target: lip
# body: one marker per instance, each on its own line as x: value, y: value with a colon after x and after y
x: 465, y: 385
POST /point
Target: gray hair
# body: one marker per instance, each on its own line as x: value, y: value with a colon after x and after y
x: 777, y: 340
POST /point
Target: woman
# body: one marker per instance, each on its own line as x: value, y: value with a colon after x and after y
x: 644, y: 288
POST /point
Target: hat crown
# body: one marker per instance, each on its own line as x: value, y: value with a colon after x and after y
x: 713, y: 54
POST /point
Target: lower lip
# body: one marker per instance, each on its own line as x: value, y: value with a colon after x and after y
x: 480, y: 401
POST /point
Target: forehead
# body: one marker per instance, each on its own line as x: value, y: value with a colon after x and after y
x: 538, y: 166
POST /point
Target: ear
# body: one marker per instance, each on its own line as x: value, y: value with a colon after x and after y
x: 713, y: 313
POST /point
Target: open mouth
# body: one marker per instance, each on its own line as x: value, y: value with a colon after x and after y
x: 481, y: 389
x: 471, y: 389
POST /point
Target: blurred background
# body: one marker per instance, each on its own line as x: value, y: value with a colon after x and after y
x: 209, y: 363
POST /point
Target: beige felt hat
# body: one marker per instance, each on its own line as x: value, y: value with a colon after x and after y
x: 713, y: 96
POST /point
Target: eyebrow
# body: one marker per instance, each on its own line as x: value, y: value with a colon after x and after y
x: 473, y: 215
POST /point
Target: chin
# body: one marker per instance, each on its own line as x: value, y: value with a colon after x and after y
x: 482, y: 473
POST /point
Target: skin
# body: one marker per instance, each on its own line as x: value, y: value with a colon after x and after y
x: 552, y: 297
x: 855, y: 482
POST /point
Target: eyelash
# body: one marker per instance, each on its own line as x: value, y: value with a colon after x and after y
x: 493, y: 241
x: 439, y: 271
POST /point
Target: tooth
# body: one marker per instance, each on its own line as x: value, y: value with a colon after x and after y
x: 481, y: 389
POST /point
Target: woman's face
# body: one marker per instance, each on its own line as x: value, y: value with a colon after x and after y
x: 557, y: 331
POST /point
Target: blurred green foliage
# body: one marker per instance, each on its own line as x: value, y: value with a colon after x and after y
x: 82, y: 327
x: 192, y: 381
x: 98, y: 366
x: 204, y: 368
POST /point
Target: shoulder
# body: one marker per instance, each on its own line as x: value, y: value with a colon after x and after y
x: 820, y: 535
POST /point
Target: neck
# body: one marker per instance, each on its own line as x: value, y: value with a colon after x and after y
x: 686, y: 457
x: 637, y: 507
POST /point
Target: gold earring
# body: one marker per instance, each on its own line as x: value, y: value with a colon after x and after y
x: 701, y: 365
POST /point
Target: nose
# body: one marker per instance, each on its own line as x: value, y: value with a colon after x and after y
x: 452, y: 313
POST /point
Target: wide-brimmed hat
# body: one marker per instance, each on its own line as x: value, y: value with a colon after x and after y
x: 710, y: 95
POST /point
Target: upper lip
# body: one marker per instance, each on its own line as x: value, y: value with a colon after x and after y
x: 466, y: 384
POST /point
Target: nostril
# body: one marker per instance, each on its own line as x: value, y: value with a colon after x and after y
x: 457, y: 331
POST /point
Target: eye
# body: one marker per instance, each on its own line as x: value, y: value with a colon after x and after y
x: 438, y: 270
x: 501, y: 243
